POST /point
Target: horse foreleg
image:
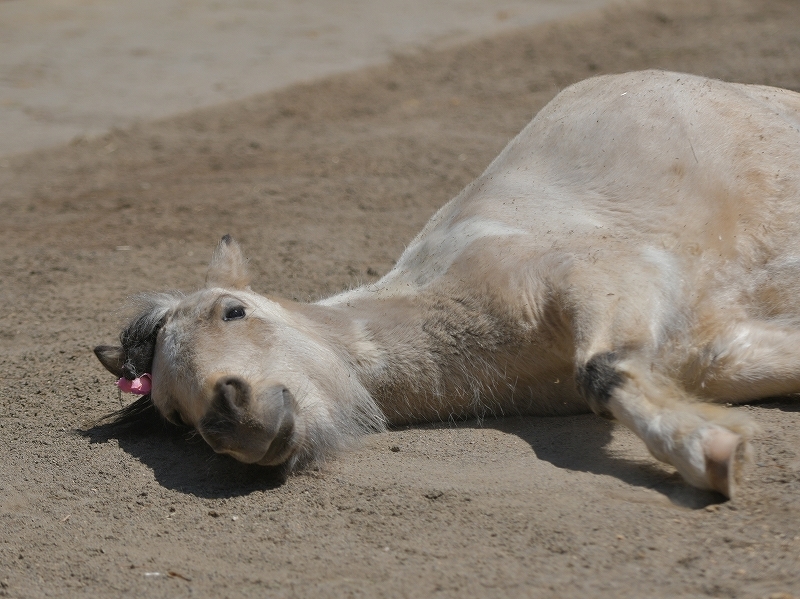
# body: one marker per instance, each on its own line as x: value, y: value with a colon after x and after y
x: 707, y: 444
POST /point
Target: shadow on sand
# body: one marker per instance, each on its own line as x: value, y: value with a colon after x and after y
x: 784, y: 404
x: 581, y: 443
x: 182, y: 461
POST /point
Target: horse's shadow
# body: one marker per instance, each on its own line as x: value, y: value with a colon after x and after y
x: 784, y: 404
x: 583, y: 444
x: 184, y: 462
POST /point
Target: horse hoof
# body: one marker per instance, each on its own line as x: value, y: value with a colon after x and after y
x: 725, y: 455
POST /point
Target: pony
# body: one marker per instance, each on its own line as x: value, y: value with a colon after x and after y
x: 634, y: 251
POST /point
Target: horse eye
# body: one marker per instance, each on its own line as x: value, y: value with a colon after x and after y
x: 234, y: 313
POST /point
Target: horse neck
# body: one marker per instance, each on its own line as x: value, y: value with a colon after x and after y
x: 422, y: 356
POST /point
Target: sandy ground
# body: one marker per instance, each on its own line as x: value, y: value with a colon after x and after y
x: 323, y: 184
x: 73, y: 68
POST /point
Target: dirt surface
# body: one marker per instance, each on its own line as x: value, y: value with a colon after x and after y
x: 323, y: 184
x: 72, y: 68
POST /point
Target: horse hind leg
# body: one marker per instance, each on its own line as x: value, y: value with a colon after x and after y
x: 753, y: 359
x: 707, y: 444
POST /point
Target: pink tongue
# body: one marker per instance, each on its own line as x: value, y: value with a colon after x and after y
x: 140, y: 386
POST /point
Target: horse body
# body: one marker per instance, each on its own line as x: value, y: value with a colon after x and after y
x: 634, y: 248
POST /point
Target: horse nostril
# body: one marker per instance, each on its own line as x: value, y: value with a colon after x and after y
x: 233, y: 390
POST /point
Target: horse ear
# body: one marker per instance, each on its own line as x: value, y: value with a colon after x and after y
x: 112, y: 357
x: 228, y: 268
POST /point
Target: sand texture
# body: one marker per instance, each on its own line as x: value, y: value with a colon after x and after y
x: 324, y: 184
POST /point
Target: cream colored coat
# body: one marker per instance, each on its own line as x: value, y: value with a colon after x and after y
x: 634, y: 249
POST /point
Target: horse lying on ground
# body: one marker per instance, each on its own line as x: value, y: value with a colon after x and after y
x: 633, y: 251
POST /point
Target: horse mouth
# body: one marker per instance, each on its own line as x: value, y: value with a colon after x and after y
x: 281, y: 448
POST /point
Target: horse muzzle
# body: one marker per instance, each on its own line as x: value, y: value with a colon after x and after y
x: 251, y: 427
